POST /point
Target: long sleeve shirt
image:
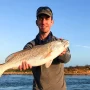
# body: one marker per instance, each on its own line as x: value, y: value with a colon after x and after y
x: 51, y: 78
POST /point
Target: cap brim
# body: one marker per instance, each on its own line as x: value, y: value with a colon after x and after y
x: 44, y: 14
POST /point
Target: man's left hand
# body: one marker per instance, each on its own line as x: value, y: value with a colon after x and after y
x: 64, y: 52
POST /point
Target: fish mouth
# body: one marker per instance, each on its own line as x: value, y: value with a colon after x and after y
x: 66, y: 43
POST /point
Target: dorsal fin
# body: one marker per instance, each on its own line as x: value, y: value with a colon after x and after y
x: 9, y: 57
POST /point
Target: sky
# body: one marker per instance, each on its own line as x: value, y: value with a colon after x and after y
x: 71, y: 22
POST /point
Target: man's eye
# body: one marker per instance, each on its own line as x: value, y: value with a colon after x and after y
x: 47, y: 18
x: 40, y: 18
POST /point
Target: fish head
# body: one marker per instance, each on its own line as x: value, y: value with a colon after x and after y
x: 58, y: 44
x: 65, y: 43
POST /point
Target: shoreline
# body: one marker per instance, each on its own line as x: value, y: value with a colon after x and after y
x: 77, y: 70
x: 30, y: 73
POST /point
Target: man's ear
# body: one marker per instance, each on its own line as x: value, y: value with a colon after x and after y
x: 52, y: 22
x: 36, y: 23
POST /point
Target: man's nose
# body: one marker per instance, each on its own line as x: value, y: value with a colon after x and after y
x: 43, y: 20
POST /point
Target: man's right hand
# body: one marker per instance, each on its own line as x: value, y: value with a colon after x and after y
x: 24, y: 66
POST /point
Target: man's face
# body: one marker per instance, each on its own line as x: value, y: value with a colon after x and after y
x: 44, y: 22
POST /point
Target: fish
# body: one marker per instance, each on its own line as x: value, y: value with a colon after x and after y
x: 37, y: 56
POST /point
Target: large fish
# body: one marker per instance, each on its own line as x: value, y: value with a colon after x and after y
x: 38, y: 55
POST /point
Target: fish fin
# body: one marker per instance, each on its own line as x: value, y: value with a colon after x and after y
x: 9, y: 57
x: 47, y: 65
x: 1, y: 70
x: 49, y: 62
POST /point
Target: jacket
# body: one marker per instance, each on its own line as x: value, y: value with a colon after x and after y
x: 51, y: 78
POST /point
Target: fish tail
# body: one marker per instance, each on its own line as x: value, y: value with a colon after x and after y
x: 1, y: 70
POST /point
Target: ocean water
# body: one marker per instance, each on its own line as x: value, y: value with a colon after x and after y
x: 24, y: 82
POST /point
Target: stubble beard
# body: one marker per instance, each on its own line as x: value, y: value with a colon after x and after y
x: 44, y: 31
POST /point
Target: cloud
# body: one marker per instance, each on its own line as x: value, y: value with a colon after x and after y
x: 83, y: 46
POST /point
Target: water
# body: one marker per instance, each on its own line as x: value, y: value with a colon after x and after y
x: 24, y: 82
x: 78, y: 82
x: 16, y: 82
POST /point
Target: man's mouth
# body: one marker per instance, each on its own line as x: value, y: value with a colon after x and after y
x: 43, y: 26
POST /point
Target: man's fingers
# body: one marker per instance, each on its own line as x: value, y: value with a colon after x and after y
x: 63, y: 52
x: 29, y: 66
x: 23, y: 65
x: 26, y: 65
x: 20, y: 67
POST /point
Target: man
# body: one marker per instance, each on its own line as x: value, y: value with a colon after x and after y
x: 51, y: 78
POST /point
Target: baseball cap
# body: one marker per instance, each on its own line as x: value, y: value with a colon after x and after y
x: 44, y: 10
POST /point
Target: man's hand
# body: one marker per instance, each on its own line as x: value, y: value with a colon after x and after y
x: 64, y: 52
x: 24, y: 66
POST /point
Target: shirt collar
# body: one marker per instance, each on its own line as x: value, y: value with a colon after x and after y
x: 46, y: 40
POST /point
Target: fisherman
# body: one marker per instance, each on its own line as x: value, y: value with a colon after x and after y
x: 51, y: 78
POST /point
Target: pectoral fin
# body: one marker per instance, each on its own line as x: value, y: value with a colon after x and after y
x: 47, y: 65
